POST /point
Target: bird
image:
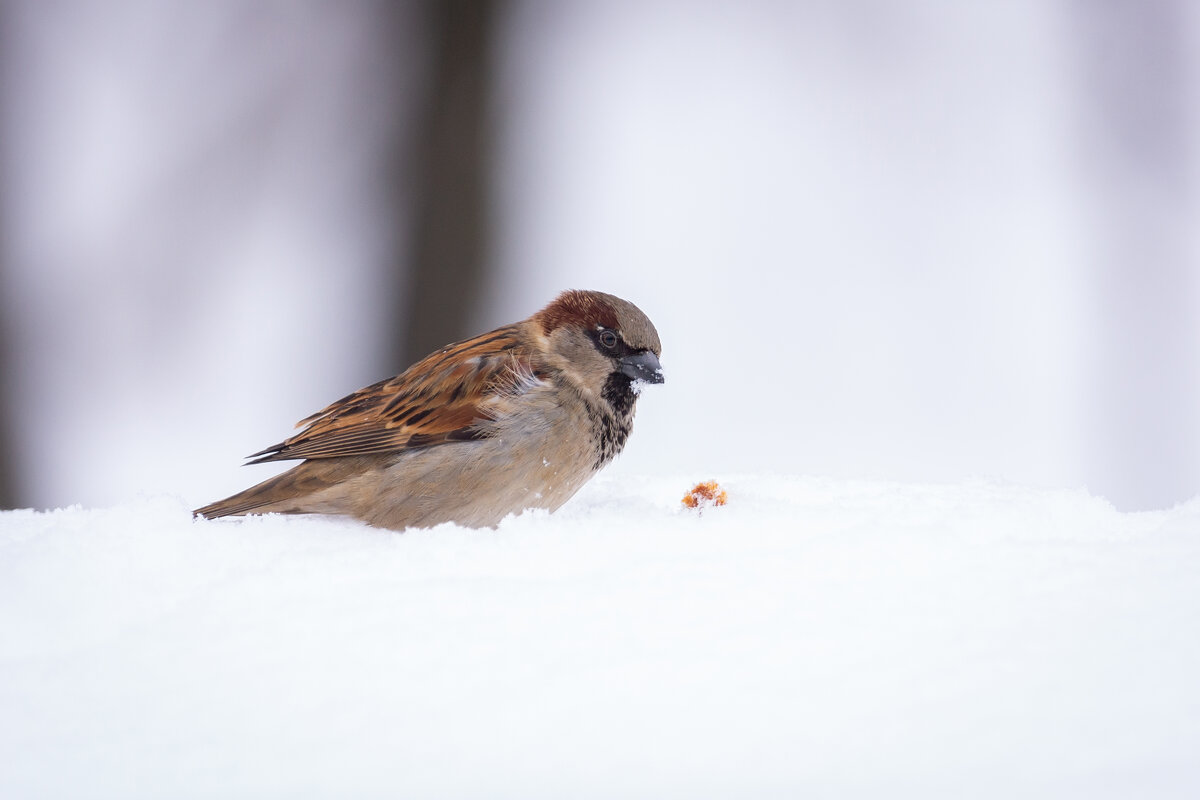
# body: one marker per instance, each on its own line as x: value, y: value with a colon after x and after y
x: 514, y: 419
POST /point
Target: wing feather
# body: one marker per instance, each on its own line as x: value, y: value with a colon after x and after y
x: 442, y: 398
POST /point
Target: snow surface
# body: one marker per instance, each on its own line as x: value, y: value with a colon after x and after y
x: 812, y: 638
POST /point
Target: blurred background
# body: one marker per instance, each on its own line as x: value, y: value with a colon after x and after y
x: 922, y: 241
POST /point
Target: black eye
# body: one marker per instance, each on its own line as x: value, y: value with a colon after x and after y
x: 608, y: 339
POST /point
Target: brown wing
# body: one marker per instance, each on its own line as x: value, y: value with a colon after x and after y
x: 441, y: 398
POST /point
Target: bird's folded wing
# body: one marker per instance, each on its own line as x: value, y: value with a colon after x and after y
x: 440, y: 399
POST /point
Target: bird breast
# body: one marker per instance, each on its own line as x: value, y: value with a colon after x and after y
x: 534, y: 455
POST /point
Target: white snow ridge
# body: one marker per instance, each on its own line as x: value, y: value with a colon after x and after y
x: 811, y: 638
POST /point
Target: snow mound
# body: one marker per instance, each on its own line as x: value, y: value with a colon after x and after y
x: 811, y: 637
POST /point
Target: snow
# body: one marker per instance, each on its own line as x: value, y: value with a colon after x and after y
x: 811, y: 638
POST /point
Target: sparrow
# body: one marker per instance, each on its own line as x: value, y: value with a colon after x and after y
x: 517, y: 418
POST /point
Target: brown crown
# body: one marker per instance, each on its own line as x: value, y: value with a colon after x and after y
x: 576, y: 307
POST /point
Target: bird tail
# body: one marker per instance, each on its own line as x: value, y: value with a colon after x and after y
x: 291, y: 492
x: 256, y: 498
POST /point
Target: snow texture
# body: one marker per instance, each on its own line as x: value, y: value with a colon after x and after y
x: 812, y: 638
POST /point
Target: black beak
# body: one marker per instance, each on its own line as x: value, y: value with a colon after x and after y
x: 642, y: 366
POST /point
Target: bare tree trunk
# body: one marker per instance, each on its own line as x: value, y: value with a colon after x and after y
x: 451, y: 166
x: 1138, y: 152
x: 9, y: 492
